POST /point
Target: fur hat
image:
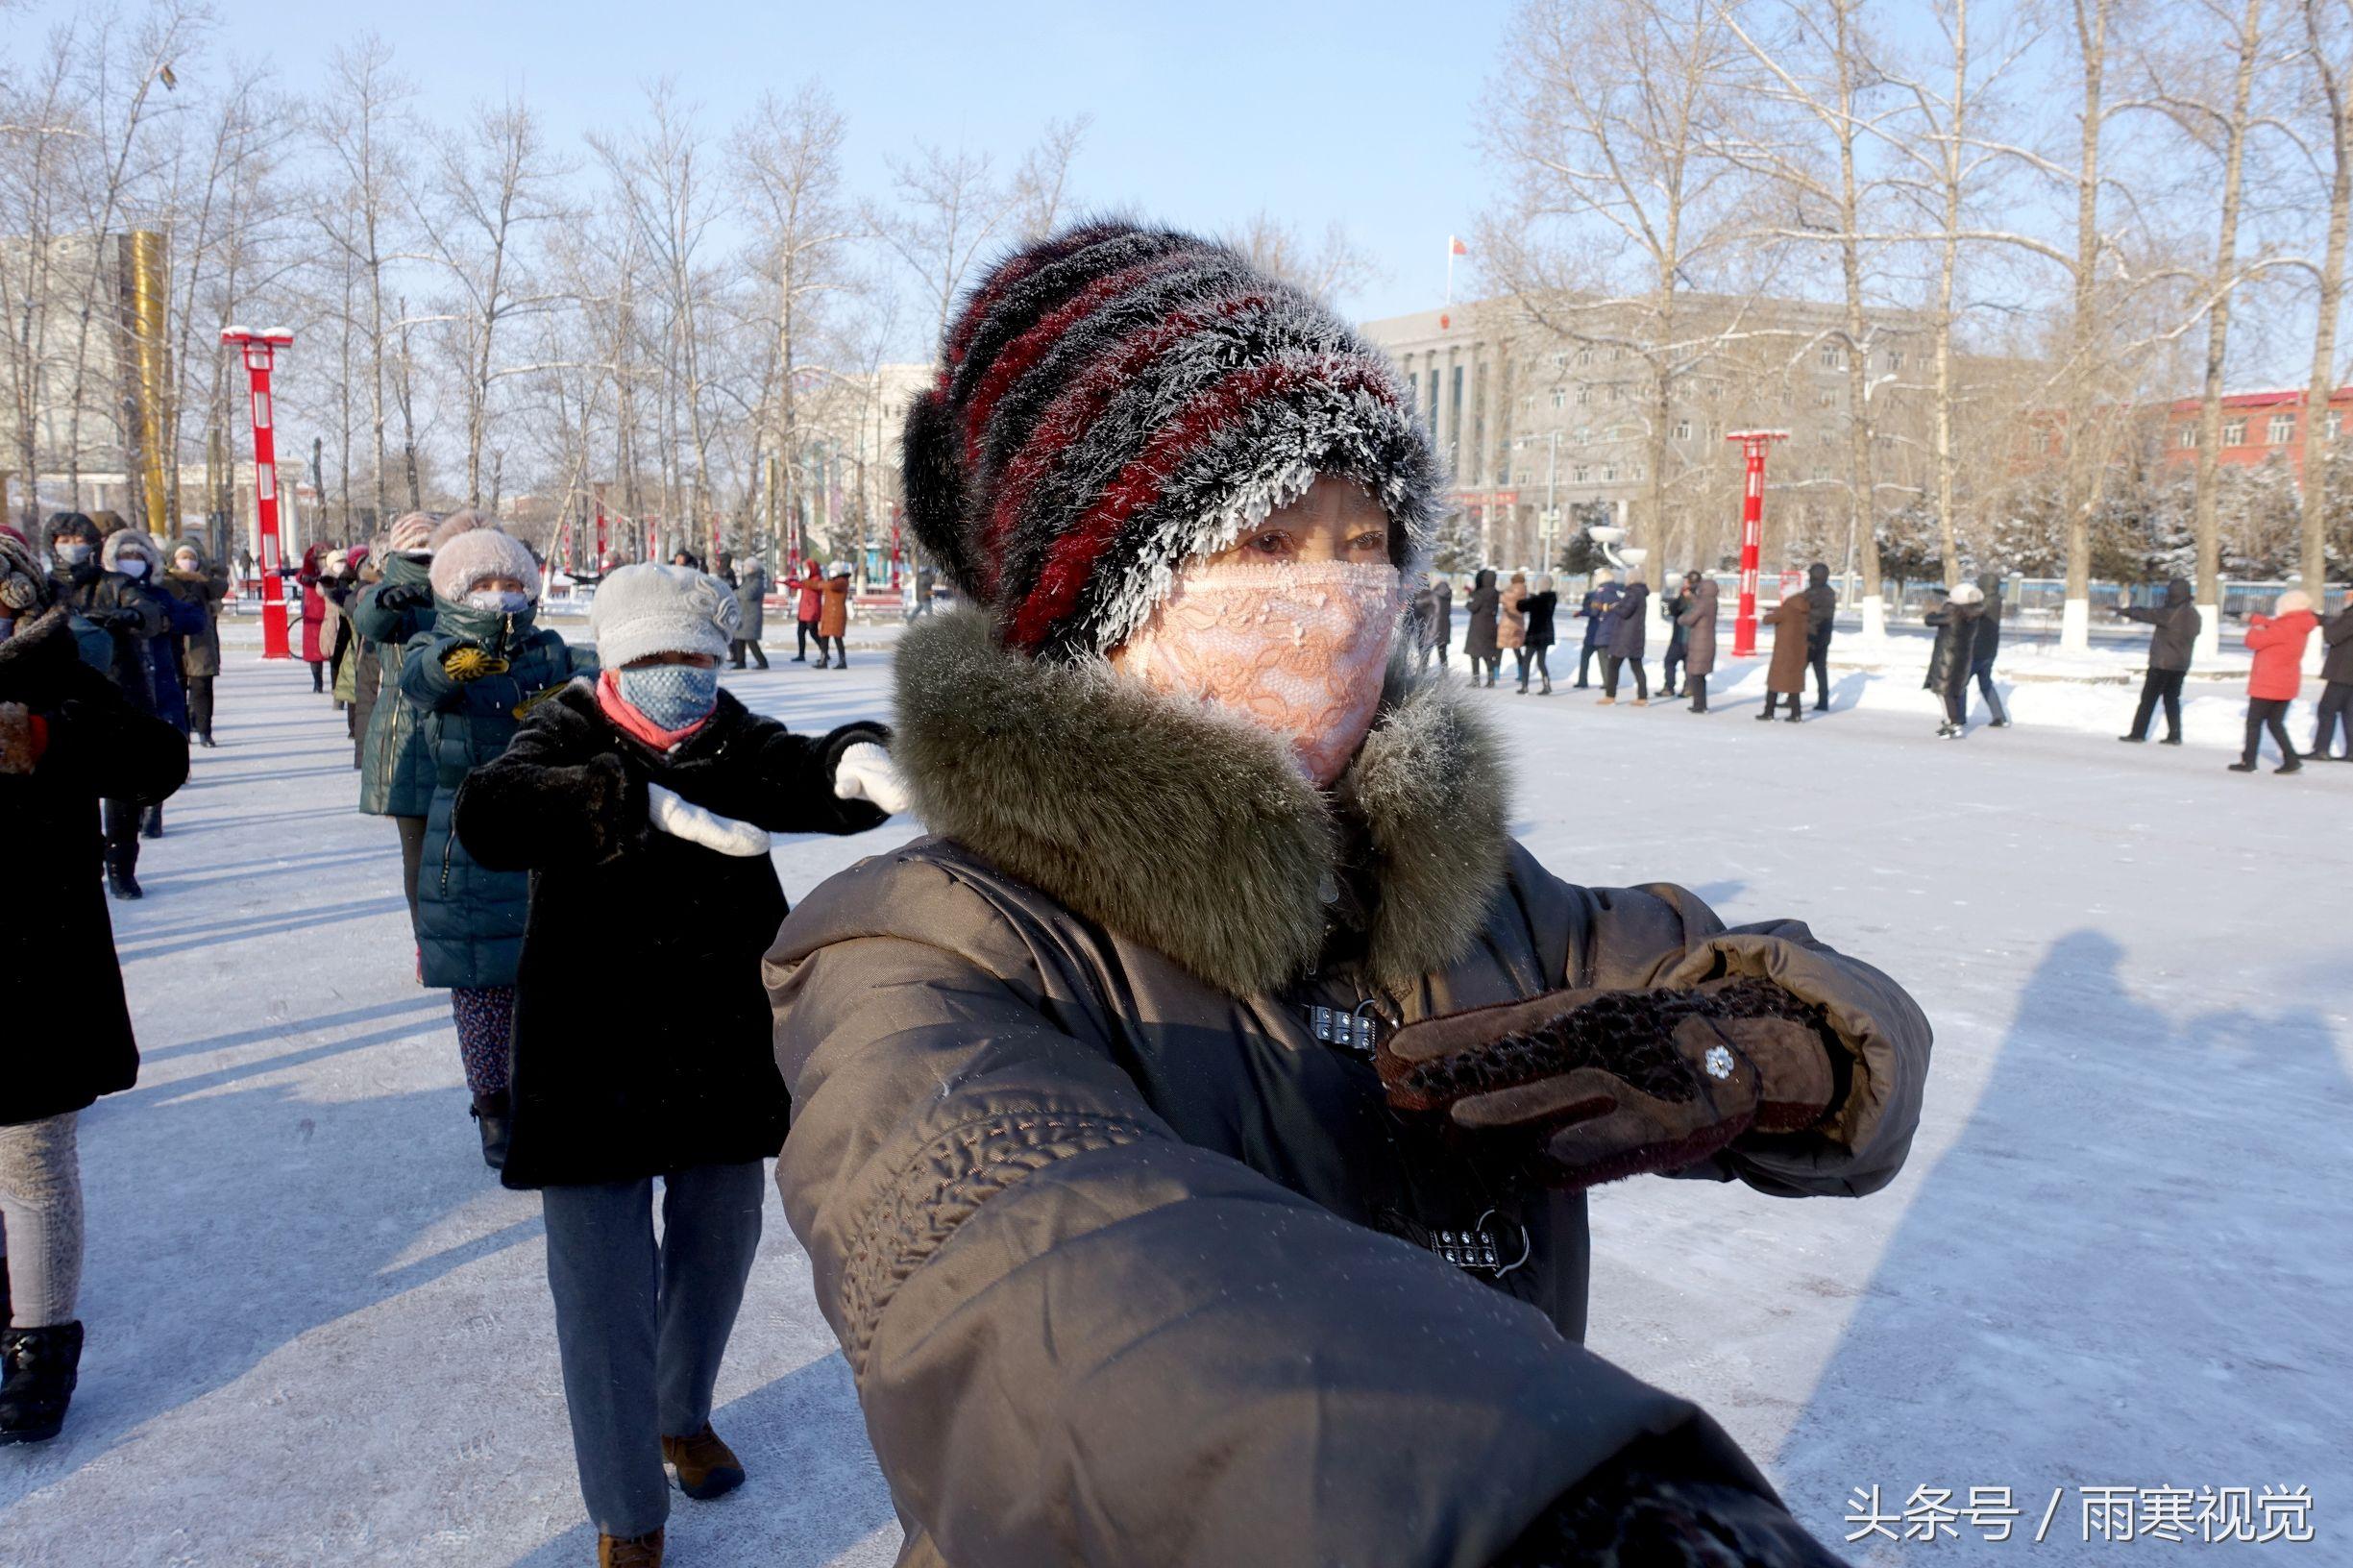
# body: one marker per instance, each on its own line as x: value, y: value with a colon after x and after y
x: 455, y: 523
x: 123, y: 541
x: 73, y: 525
x: 333, y: 563
x: 191, y: 544
x: 24, y: 587
x: 1118, y: 401
x: 646, y: 609
x: 2293, y: 600
x: 1968, y: 592
x: 477, y: 554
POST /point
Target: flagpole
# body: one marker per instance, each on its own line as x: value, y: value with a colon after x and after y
x: 1450, y: 269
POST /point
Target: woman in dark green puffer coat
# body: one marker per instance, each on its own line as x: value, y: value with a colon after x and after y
x: 395, y: 775
x: 470, y: 680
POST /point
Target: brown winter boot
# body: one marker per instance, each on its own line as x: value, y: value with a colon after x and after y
x: 636, y: 1551
x: 707, y: 1468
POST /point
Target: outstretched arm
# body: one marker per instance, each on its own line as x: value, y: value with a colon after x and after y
x: 1077, y: 1337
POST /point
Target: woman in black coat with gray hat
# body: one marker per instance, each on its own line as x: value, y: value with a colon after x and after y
x: 645, y: 797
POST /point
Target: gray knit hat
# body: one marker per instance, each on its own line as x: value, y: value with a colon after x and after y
x: 476, y: 557
x: 646, y: 609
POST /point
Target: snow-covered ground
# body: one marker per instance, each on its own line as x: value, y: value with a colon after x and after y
x: 319, y: 1331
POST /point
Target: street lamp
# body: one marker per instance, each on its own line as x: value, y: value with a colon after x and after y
x: 260, y: 350
x: 1552, y: 478
x: 1754, y: 445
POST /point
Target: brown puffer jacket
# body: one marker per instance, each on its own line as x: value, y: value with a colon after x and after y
x: 1128, y: 1263
x: 1698, y: 622
x: 1790, y: 623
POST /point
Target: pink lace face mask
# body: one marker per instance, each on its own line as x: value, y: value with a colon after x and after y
x: 1298, y: 650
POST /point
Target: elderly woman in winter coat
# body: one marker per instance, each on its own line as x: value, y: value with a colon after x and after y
x: 650, y: 789
x: 1697, y: 623
x: 1950, y: 662
x: 1511, y: 623
x: 314, y: 613
x: 833, y: 617
x: 2275, y: 677
x: 196, y: 580
x: 1148, y: 1234
x: 1792, y: 624
x: 132, y: 555
x: 396, y: 769
x: 471, y: 678
x: 1539, y: 606
x: 68, y: 738
x: 751, y: 599
x: 1629, y: 631
x: 1480, y: 642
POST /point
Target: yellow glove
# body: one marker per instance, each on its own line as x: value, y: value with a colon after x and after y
x: 525, y: 706
x: 468, y: 662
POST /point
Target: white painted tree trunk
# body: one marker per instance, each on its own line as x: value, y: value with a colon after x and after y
x: 2076, y: 626
x: 2209, y: 633
x: 1875, y: 617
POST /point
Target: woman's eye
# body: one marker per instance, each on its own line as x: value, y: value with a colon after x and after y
x: 1370, y: 542
x: 1271, y: 544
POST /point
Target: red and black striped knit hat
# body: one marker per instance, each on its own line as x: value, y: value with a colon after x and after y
x: 1115, y: 402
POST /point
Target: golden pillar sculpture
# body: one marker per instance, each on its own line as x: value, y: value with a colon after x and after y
x: 146, y: 272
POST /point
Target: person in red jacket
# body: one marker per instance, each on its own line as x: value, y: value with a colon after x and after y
x: 808, y: 586
x: 313, y: 612
x: 2278, y: 641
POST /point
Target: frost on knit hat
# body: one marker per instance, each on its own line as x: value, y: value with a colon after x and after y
x: 644, y: 609
x: 1118, y: 400
x: 414, y: 532
x: 475, y: 558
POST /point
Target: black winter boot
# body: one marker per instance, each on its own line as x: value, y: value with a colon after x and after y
x: 151, y: 823
x: 121, y: 881
x: 40, y: 1367
x: 494, y: 1112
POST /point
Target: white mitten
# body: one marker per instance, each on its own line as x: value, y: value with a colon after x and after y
x: 682, y: 818
x: 866, y: 773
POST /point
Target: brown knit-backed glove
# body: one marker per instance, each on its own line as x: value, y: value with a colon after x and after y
x: 1577, y: 1088
x: 1628, y: 1517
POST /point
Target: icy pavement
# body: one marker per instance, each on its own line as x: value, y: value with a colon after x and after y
x: 319, y: 1331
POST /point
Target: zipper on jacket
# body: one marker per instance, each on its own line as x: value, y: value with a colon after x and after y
x: 449, y: 842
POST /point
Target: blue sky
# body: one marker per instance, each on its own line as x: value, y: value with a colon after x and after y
x: 1204, y: 111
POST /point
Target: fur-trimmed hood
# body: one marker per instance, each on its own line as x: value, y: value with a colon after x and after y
x: 1193, y: 834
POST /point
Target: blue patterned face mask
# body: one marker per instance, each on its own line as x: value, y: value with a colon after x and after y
x: 499, y: 600
x: 672, y: 695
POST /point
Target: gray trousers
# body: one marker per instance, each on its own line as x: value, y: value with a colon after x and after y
x: 40, y: 1221
x: 641, y: 1327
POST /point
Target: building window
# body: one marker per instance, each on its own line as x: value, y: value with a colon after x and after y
x: 1682, y: 429
x: 1715, y: 431
x: 1560, y: 397
x: 1585, y: 393
x: 1822, y: 475
x: 2336, y: 426
x: 1560, y: 359
x: 1895, y: 359
x: 1582, y: 473
x: 1434, y: 403
x: 2187, y: 437
x: 1616, y: 355
x: 2283, y: 430
x: 1833, y: 358
x: 1826, y: 398
x: 2234, y: 433
x: 1585, y: 357
x: 1617, y: 393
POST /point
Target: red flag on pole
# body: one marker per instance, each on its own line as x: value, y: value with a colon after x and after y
x: 1457, y: 248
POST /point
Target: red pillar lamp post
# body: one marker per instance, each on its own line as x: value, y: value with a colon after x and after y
x: 260, y: 350
x: 1754, y: 444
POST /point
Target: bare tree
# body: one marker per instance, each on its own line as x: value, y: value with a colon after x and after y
x: 949, y: 208
x: 1328, y: 268
x: 2215, y: 111
x: 2328, y: 33
x: 1041, y: 185
x: 1612, y: 114
x: 786, y: 161
x: 494, y: 180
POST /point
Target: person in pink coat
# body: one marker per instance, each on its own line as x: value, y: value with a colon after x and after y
x: 314, y: 617
x: 2278, y: 675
